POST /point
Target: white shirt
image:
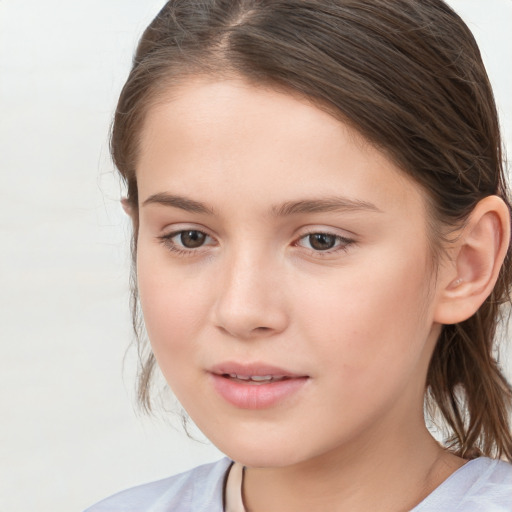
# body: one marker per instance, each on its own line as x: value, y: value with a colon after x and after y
x: 481, y: 485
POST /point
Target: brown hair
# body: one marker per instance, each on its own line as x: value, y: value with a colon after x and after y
x: 407, y: 75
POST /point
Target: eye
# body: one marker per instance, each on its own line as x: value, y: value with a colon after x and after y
x: 186, y: 241
x: 191, y: 239
x: 323, y: 242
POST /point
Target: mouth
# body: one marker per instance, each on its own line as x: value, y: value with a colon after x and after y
x: 254, y: 373
x: 255, y: 386
x: 255, y: 379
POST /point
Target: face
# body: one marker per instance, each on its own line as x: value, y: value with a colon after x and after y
x: 284, y: 273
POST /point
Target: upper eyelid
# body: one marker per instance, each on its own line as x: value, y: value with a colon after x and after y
x: 332, y: 231
x: 328, y: 233
x: 343, y: 246
x: 169, y: 231
x: 167, y: 241
x: 299, y: 234
x: 173, y: 234
x: 343, y: 242
x: 343, y: 239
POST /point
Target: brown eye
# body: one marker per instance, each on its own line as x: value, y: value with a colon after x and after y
x: 192, y: 239
x: 187, y: 242
x: 322, y: 241
x: 327, y: 243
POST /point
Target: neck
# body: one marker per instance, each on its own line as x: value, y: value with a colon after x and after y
x: 392, y: 471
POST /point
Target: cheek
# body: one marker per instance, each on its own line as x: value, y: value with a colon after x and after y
x: 368, y: 335
x: 370, y: 316
x: 174, y: 307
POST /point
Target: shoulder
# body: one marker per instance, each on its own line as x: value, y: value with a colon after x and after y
x: 481, y: 485
x: 491, y: 487
x: 197, y: 490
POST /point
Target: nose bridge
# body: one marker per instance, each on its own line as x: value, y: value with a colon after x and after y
x: 249, y: 301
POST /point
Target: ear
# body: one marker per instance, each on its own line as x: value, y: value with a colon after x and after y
x: 127, y: 207
x: 475, y: 261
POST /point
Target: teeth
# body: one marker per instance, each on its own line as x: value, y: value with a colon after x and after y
x: 255, y: 378
x: 239, y: 377
x: 258, y: 378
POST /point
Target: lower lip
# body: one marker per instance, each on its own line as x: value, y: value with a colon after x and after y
x: 256, y: 396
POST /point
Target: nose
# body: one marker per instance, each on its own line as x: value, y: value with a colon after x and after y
x: 251, y: 300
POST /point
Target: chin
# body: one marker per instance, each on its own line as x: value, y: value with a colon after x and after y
x: 262, y: 454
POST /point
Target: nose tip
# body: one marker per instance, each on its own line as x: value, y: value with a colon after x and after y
x: 249, y: 320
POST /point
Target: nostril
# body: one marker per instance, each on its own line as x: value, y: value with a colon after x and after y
x: 246, y: 319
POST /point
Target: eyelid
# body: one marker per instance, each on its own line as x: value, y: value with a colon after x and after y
x: 346, y: 241
x: 166, y: 239
x: 326, y: 230
x: 343, y: 242
x: 174, y: 229
x: 174, y: 234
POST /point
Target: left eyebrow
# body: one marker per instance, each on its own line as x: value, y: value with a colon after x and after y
x: 328, y: 204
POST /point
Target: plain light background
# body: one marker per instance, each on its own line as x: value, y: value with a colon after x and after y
x: 68, y: 431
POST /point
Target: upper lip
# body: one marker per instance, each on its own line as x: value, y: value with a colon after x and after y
x: 252, y: 369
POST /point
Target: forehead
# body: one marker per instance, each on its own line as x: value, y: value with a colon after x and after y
x: 208, y: 138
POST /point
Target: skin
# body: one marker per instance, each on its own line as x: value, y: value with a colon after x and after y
x: 360, y: 320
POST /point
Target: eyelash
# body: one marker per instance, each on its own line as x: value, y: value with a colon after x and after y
x: 167, y: 242
x: 343, y: 243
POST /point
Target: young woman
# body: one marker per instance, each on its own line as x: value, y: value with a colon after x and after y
x: 322, y: 254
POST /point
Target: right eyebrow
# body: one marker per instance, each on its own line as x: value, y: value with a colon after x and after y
x: 183, y: 203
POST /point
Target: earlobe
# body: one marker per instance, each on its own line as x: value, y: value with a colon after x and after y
x: 477, y: 256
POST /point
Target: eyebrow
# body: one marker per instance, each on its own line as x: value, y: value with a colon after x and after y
x: 183, y: 203
x: 327, y: 204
